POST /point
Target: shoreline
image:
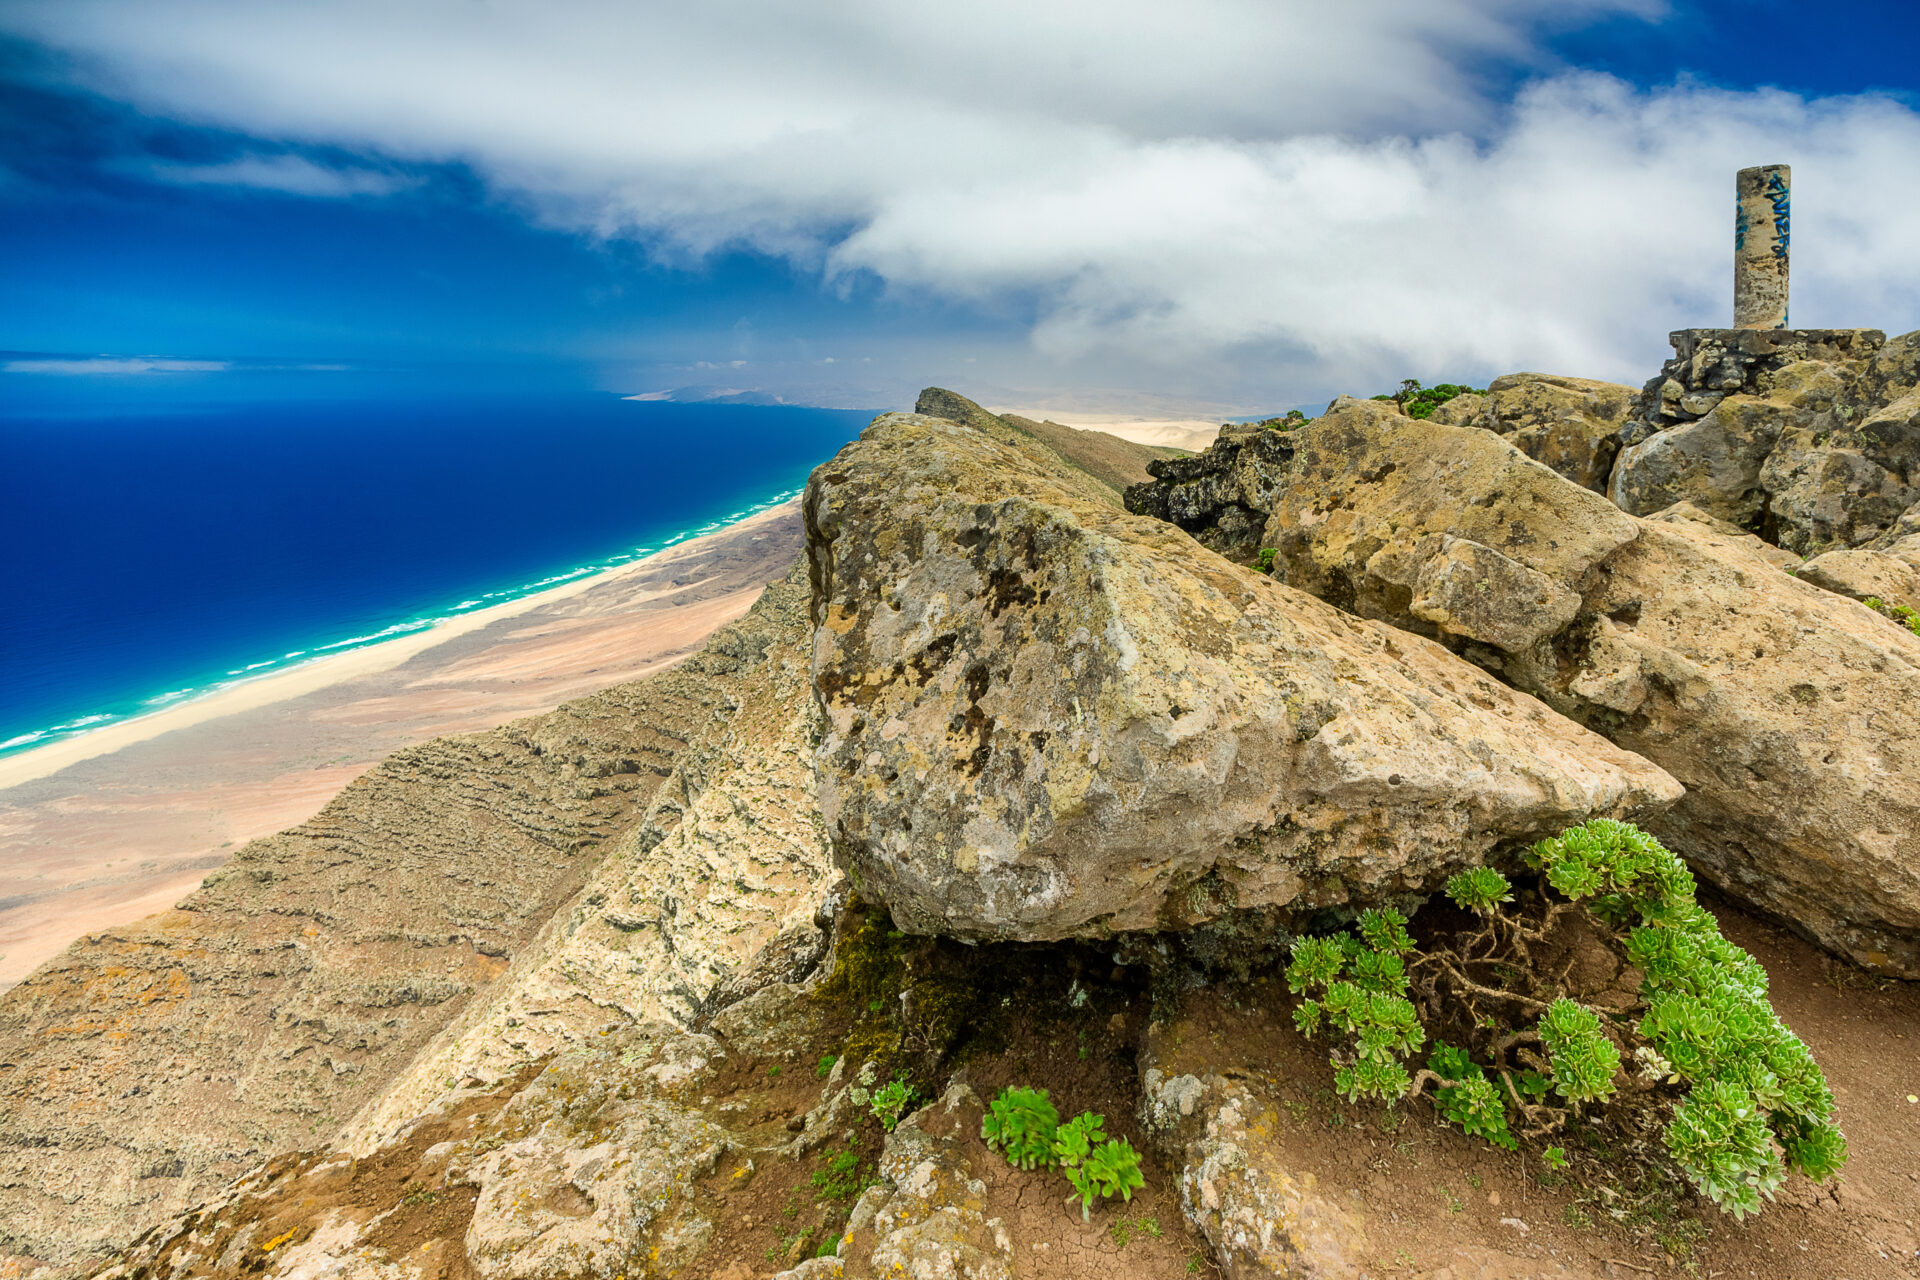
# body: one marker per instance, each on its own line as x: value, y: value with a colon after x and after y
x: 247, y: 693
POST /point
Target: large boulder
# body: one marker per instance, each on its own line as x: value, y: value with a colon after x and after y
x: 1570, y: 424
x: 1786, y: 710
x: 1221, y: 495
x: 1046, y: 718
x: 1810, y: 438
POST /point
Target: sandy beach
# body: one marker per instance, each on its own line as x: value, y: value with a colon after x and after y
x: 110, y: 826
x: 1191, y: 434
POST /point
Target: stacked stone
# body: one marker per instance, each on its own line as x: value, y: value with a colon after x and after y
x: 1709, y: 365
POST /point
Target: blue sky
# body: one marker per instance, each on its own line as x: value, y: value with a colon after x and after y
x: 1215, y: 206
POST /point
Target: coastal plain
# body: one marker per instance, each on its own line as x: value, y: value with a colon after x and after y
x: 109, y: 827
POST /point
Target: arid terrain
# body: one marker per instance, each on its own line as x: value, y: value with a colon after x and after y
x: 1444, y: 839
x: 115, y: 837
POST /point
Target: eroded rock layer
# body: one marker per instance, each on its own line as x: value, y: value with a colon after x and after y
x: 149, y: 1065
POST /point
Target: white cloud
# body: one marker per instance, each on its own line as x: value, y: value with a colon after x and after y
x: 293, y: 174
x: 118, y: 366
x: 1287, y: 187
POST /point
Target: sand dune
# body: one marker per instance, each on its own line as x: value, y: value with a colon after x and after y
x: 112, y: 826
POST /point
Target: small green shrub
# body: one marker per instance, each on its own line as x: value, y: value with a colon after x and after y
x: 1110, y: 1169
x: 1263, y: 563
x: 1021, y: 1124
x: 1900, y: 613
x: 825, y: 1066
x: 1367, y: 1006
x: 891, y: 1101
x: 1749, y: 1102
x: 1417, y: 401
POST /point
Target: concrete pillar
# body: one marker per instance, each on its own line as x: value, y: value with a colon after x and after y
x: 1760, y: 247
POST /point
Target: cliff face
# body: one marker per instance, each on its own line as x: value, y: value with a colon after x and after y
x: 147, y: 1066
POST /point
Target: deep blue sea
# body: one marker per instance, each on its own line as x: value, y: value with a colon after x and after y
x: 153, y: 556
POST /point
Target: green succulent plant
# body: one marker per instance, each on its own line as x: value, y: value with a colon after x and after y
x: 1021, y: 1124
x: 1752, y: 1103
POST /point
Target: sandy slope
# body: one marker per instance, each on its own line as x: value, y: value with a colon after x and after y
x: 113, y: 826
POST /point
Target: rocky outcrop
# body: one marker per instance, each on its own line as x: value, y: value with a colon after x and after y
x: 1201, y: 1105
x: 308, y: 973
x: 1809, y: 437
x: 1892, y: 575
x: 1220, y: 496
x: 1786, y: 711
x: 727, y: 868
x: 927, y: 1215
x: 1047, y: 719
x: 1570, y: 424
x: 587, y: 1165
x: 1115, y: 463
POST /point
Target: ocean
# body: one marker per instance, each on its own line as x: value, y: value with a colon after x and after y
x: 152, y: 557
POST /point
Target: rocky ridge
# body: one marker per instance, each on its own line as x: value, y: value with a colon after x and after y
x: 1009, y: 709
x: 307, y: 973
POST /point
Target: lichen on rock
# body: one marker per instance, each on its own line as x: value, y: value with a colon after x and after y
x: 1048, y: 719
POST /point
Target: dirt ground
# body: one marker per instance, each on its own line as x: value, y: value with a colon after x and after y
x: 1067, y: 1027
x: 1436, y: 1204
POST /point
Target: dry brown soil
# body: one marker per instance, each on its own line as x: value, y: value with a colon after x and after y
x: 1437, y: 1204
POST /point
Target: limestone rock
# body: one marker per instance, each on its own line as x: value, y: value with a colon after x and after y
x: 1114, y: 462
x: 926, y: 1218
x: 1358, y: 554
x: 1049, y: 719
x: 1786, y: 711
x: 1863, y: 575
x: 1464, y: 410
x: 1686, y: 512
x: 583, y: 1166
x: 1825, y: 496
x: 1263, y: 1221
x: 1570, y: 424
x: 595, y: 1178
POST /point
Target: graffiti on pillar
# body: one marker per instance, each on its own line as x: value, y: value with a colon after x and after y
x: 1776, y: 193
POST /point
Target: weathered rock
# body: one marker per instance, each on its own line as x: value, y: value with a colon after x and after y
x: 1464, y: 410
x: 1787, y: 711
x: 1824, y: 497
x: 1220, y: 496
x: 1263, y: 1221
x: 586, y: 1166
x: 593, y: 1176
x: 306, y: 974
x: 1115, y: 463
x: 1361, y: 556
x: 1686, y: 512
x: 926, y: 1217
x: 1048, y: 719
x: 713, y: 890
x: 1570, y: 424
x: 1810, y: 438
x: 1864, y: 575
